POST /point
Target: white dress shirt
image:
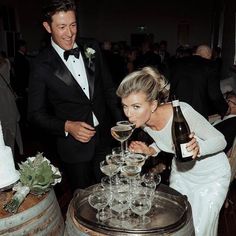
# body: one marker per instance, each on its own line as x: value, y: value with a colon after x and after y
x: 77, y: 69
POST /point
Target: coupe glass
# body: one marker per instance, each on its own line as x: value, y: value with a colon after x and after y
x: 98, y: 200
x: 141, y: 204
x: 107, y: 181
x: 120, y: 200
x: 109, y: 169
x: 150, y: 177
x: 121, y: 133
x: 116, y: 150
x: 130, y: 171
x: 104, y: 213
x: 127, y: 123
x: 116, y: 159
x: 135, y: 159
x: 147, y: 187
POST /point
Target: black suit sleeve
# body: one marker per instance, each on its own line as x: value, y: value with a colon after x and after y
x: 39, y: 110
x: 217, y: 100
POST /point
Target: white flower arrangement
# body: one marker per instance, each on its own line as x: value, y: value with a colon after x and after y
x: 37, y: 176
x: 90, y: 53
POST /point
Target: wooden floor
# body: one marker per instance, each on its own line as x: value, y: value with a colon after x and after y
x: 34, y: 142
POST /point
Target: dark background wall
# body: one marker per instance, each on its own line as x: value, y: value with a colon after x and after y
x: 229, y: 37
x: 183, y: 21
x: 117, y: 20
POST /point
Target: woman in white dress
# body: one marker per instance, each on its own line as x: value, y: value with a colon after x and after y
x: 205, y: 179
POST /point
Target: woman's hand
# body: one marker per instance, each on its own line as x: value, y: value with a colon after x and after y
x: 141, y: 147
x: 193, y: 146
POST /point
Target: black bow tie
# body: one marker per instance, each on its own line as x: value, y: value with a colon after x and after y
x: 74, y: 52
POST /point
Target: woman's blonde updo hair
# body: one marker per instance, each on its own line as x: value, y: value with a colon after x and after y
x: 147, y: 80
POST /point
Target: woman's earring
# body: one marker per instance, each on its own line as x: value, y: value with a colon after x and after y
x: 152, y: 111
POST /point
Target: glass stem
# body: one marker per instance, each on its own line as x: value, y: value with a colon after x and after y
x: 99, y: 211
x: 126, y: 146
x: 122, y: 148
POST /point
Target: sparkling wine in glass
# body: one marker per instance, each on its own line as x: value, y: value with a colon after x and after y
x: 109, y: 169
x: 126, y: 123
x: 116, y: 159
x: 130, y: 171
x: 121, y: 133
x: 134, y: 159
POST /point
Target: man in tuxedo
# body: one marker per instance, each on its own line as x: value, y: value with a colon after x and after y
x: 193, y: 80
x: 72, y: 96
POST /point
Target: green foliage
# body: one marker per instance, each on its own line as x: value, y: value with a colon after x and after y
x: 38, y: 174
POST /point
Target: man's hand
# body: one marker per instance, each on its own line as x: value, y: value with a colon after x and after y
x: 81, y: 131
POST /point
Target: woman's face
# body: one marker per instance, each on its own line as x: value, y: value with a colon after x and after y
x: 137, y: 109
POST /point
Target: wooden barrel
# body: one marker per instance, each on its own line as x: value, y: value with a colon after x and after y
x: 38, y: 216
x: 76, y: 227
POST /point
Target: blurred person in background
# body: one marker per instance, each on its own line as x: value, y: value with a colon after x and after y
x: 193, y: 80
x: 9, y: 115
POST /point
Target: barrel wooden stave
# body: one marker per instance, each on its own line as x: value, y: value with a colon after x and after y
x: 42, y: 219
x: 73, y: 228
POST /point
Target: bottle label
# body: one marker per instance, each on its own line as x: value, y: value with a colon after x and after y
x: 184, y: 151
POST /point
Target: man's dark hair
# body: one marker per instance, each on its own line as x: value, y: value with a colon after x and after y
x: 20, y: 43
x: 50, y: 7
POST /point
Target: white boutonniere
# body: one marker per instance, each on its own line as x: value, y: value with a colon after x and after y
x: 90, y: 54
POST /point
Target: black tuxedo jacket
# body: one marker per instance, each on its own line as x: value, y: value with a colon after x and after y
x: 55, y: 96
x: 193, y: 80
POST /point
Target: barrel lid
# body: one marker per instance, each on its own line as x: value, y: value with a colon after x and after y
x: 168, y: 214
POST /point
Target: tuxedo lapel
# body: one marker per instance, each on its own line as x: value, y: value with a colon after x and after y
x: 90, y: 71
x: 61, y: 71
x: 64, y: 75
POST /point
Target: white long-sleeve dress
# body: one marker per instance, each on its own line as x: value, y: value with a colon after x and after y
x: 205, y: 181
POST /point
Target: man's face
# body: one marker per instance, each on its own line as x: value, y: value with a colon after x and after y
x: 63, y: 29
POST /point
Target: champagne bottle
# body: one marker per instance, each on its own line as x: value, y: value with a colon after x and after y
x: 180, y: 133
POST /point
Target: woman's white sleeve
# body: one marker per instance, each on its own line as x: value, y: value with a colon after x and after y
x: 210, y: 140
